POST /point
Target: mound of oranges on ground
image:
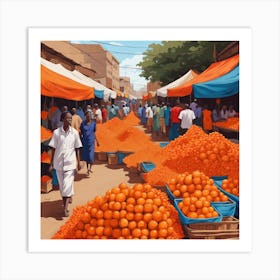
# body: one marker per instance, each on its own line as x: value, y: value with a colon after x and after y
x: 116, y: 135
x: 211, y: 153
x: 230, y: 123
x: 231, y: 185
x: 197, y: 191
x: 138, y: 212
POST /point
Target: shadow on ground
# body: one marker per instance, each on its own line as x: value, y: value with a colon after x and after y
x: 52, y: 209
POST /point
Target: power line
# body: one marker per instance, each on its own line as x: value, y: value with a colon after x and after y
x: 122, y: 46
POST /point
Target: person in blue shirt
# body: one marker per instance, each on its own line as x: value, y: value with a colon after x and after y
x: 88, y: 129
x: 167, y: 118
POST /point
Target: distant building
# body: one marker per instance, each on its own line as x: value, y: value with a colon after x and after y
x: 106, y: 65
x: 64, y: 53
x: 153, y: 86
x: 125, y: 85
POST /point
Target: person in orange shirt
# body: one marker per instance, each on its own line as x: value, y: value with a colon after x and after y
x: 207, y: 123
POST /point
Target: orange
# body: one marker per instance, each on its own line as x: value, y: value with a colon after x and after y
x: 177, y: 193
x: 116, y: 214
x: 114, y: 223
x: 99, y: 231
x: 152, y: 225
x: 125, y: 232
x: 198, y: 204
x: 131, y: 200
x: 138, y: 217
x: 141, y: 224
x: 157, y: 201
x: 136, y: 232
x: 93, y: 222
x: 138, y: 187
x: 137, y: 194
x: 188, y: 179
x: 162, y: 233
x: 145, y: 232
x: 129, y: 216
x: 123, y: 213
x: 86, y: 217
x: 153, y: 234
x: 150, y: 194
x: 91, y: 230
x: 148, y: 217
x: 205, y: 210
x: 157, y: 216
x: 78, y: 234
x: 141, y: 201
x: 138, y: 208
x: 132, y: 224
x: 100, y: 222
x: 99, y: 214
x: 191, y: 188
x: 130, y: 207
x: 117, y: 205
x: 107, y: 231
x: 116, y: 233
x: 80, y: 225
x: 123, y: 223
x: 163, y: 225
x: 196, y: 180
x: 192, y: 215
x: 120, y: 197
x: 197, y: 193
x: 116, y: 190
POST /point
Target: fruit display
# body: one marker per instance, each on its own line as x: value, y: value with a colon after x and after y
x: 197, y: 191
x: 138, y: 212
x: 230, y: 123
x: 212, y: 154
x: 231, y: 185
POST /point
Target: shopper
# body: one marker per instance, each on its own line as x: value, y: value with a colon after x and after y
x: 216, y: 113
x: 149, y: 116
x: 224, y: 112
x: 76, y: 120
x: 207, y: 123
x: 162, y: 119
x: 65, y: 144
x: 98, y: 113
x: 197, y: 113
x: 175, y: 121
x: 88, y: 129
x: 186, y: 116
x: 104, y: 114
x: 231, y: 112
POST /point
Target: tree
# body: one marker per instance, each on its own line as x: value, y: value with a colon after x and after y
x: 170, y: 60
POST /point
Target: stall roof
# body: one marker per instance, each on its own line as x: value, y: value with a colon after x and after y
x: 215, y: 70
x: 54, y: 84
x: 224, y: 86
x: 182, y: 80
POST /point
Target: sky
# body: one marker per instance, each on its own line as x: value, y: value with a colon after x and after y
x: 129, y: 54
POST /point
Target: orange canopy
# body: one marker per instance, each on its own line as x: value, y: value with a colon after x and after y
x: 56, y: 85
x: 214, y: 71
x: 46, y: 134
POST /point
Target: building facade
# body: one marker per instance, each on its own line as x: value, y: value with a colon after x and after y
x: 125, y: 85
x: 106, y: 65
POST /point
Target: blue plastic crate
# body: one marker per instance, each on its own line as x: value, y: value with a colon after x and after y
x: 147, y: 166
x: 122, y: 155
x: 219, y: 178
x: 171, y: 196
x: 163, y: 144
x: 230, y: 195
x: 186, y: 220
x: 226, y: 208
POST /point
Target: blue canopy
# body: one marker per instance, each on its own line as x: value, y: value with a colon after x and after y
x: 224, y: 86
x: 98, y: 93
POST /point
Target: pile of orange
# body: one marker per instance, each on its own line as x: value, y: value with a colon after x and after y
x: 132, y: 119
x: 197, y: 191
x: 212, y: 154
x: 120, y: 135
x: 231, y: 185
x: 140, y: 212
x: 231, y: 123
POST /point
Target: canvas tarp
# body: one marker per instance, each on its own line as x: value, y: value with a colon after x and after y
x: 224, y: 86
x: 215, y: 70
x: 57, y: 85
x: 100, y: 91
x: 182, y: 80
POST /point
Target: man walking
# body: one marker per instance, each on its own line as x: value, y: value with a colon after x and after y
x: 65, y: 145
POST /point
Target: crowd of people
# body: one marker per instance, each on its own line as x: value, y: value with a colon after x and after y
x: 172, y: 121
x: 74, y: 131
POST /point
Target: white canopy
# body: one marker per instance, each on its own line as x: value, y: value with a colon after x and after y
x: 188, y: 76
x: 79, y: 77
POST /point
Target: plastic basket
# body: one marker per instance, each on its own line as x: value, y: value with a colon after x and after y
x: 122, y: 155
x: 163, y: 144
x: 147, y: 166
x: 186, y: 220
x: 226, y: 208
x: 171, y: 196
